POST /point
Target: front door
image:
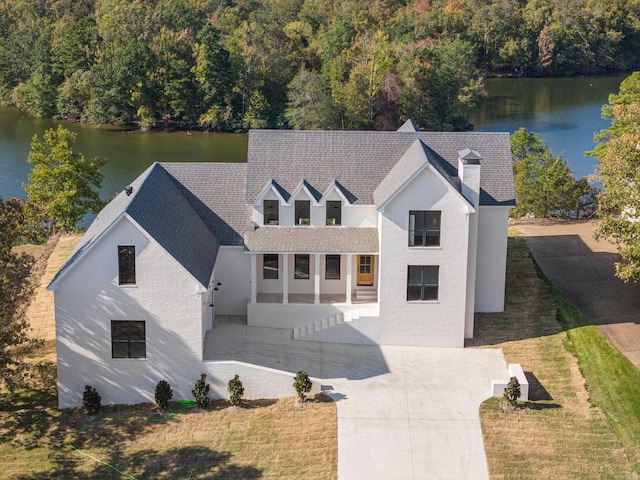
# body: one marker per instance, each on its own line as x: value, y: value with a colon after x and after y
x: 365, y: 270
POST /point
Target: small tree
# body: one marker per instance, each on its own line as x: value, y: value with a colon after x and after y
x: 61, y: 181
x: 201, y: 392
x: 163, y: 394
x: 91, y: 400
x: 236, y: 391
x: 302, y: 384
x: 512, y: 391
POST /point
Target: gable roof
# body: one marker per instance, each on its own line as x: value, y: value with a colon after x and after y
x: 361, y: 160
x: 416, y: 158
x: 173, y: 203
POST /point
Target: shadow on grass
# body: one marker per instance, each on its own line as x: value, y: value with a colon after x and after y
x: 540, y: 406
x: 178, y: 463
x: 529, y: 310
x: 536, y: 390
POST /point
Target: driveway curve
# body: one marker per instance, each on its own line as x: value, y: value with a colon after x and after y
x: 583, y: 270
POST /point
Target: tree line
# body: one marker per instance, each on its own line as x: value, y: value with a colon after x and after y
x: 351, y: 64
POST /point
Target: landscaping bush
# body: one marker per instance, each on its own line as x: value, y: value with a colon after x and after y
x: 512, y: 391
x: 236, y: 391
x: 302, y: 384
x: 201, y: 392
x: 163, y: 394
x: 91, y: 400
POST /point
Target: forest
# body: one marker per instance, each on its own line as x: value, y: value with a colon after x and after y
x: 224, y: 65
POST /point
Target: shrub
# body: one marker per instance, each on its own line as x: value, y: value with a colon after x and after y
x: 201, y: 392
x: 236, y: 391
x: 302, y: 384
x: 91, y: 400
x: 512, y: 391
x: 163, y: 394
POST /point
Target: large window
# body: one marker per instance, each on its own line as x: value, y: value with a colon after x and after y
x: 271, y: 212
x: 334, y: 212
x: 424, y: 228
x: 332, y: 267
x: 303, y: 212
x: 270, y: 266
x: 422, y: 282
x: 301, y: 271
x: 126, y: 265
x: 128, y: 339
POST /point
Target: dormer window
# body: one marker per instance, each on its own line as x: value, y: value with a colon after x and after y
x: 271, y: 208
x: 303, y: 212
x: 334, y: 212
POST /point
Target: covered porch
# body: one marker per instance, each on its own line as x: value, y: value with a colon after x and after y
x: 313, y: 265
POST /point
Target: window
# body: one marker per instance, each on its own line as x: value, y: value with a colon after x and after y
x: 303, y: 212
x: 334, y: 212
x: 301, y: 271
x: 127, y: 265
x: 332, y: 267
x: 422, y: 282
x: 270, y: 266
x: 128, y: 339
x: 424, y: 228
x: 271, y: 212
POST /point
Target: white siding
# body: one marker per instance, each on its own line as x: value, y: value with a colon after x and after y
x: 165, y: 296
x: 493, y: 224
x: 439, y: 323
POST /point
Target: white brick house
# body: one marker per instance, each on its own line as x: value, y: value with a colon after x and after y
x: 388, y: 238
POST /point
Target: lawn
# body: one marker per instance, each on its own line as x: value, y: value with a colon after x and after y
x: 264, y: 439
x: 566, y: 431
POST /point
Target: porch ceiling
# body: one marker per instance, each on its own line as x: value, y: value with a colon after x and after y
x: 309, y: 239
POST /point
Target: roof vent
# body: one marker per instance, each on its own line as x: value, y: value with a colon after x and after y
x: 128, y: 190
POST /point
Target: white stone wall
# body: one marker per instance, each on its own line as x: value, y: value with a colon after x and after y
x: 165, y: 296
x: 431, y: 323
x: 493, y: 225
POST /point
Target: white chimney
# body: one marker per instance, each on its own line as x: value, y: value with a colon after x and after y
x: 469, y: 173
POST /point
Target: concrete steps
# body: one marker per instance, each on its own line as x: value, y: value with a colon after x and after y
x: 367, y: 294
x: 324, y: 324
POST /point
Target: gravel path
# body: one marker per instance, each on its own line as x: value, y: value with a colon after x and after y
x: 583, y: 270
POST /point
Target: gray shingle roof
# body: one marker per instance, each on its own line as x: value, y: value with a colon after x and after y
x: 361, y: 160
x: 216, y: 191
x: 416, y: 157
x: 158, y: 205
x: 313, y: 240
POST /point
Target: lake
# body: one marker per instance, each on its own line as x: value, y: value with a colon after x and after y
x: 565, y: 112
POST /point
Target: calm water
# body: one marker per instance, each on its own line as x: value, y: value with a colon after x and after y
x: 564, y: 112
x: 127, y: 155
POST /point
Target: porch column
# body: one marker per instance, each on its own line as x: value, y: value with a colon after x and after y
x: 254, y: 285
x: 349, y: 268
x: 285, y: 278
x: 316, y: 278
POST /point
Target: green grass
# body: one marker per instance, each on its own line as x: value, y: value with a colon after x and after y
x: 612, y: 380
x: 564, y: 431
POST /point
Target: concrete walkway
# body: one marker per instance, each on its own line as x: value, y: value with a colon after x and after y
x: 403, y: 412
x: 583, y: 270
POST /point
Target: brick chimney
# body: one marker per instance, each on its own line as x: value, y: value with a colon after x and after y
x: 469, y: 173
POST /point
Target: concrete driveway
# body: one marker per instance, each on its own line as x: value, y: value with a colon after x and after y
x: 583, y: 270
x: 403, y: 412
x: 419, y: 420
